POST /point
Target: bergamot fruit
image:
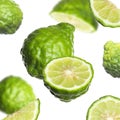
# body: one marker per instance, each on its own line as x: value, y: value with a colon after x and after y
x: 14, y: 94
x: 106, y: 12
x: 111, y: 58
x: 10, y: 16
x: 75, y: 12
x: 68, y: 77
x: 105, y: 108
x: 46, y: 44
x: 28, y: 112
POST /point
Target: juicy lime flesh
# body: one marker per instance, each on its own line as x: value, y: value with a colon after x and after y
x: 105, y: 109
x: 106, y: 10
x: 77, y: 22
x: 29, y: 112
x: 68, y: 72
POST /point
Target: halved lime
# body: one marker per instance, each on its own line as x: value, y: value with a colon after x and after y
x: 68, y: 77
x: 105, y: 108
x: 106, y: 12
x: 75, y: 12
x: 29, y: 112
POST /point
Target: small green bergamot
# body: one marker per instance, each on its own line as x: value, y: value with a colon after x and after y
x: 10, y: 16
x: 111, y: 58
x: 14, y: 94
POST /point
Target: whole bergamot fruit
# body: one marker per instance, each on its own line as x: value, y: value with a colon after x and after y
x: 10, y: 16
x: 111, y: 58
x: 14, y: 94
x: 45, y: 44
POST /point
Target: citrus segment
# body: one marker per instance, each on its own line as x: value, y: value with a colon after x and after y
x: 105, y: 108
x: 68, y: 76
x: 28, y: 112
x: 106, y: 12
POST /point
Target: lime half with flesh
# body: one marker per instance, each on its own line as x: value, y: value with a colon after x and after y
x: 105, y: 108
x: 29, y: 112
x: 75, y: 12
x: 68, y: 77
x: 106, y: 12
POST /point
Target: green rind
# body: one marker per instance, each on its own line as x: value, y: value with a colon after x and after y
x: 77, y: 8
x: 45, y: 44
x: 10, y: 16
x: 14, y: 94
x: 67, y: 95
x: 38, y: 100
x: 100, y: 99
x: 111, y: 59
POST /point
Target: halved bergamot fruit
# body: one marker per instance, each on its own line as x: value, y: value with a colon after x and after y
x: 75, y: 12
x: 68, y: 77
x: 29, y: 112
x: 106, y: 12
x: 105, y: 108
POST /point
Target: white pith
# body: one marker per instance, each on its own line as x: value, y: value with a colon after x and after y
x: 77, y: 22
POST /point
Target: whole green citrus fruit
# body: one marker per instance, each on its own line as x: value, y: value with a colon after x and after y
x: 14, y: 94
x: 45, y: 44
x: 10, y: 16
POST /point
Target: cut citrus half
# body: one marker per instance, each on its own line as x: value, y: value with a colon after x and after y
x: 28, y: 112
x: 105, y: 108
x: 107, y: 13
x: 75, y: 12
x: 68, y: 77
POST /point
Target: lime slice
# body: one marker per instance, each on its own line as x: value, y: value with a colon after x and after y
x: 68, y: 77
x: 75, y: 12
x: 28, y: 112
x: 105, y: 108
x: 106, y: 12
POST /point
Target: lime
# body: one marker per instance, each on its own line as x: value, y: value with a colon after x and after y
x: 105, y: 108
x: 111, y: 58
x: 45, y: 44
x: 106, y: 12
x: 14, y: 94
x: 10, y: 16
x: 68, y: 77
x: 75, y: 12
x: 28, y: 112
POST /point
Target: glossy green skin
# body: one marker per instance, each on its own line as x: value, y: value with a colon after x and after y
x: 45, y: 44
x: 79, y: 8
x: 111, y: 58
x: 14, y: 94
x: 10, y: 17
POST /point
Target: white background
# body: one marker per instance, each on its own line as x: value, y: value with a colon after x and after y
x: 88, y: 46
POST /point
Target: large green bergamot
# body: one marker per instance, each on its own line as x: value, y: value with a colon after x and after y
x: 46, y: 44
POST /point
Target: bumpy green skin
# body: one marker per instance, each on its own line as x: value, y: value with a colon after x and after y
x: 10, y: 17
x: 14, y: 94
x: 79, y: 8
x: 45, y: 44
x: 111, y: 58
x: 67, y: 96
